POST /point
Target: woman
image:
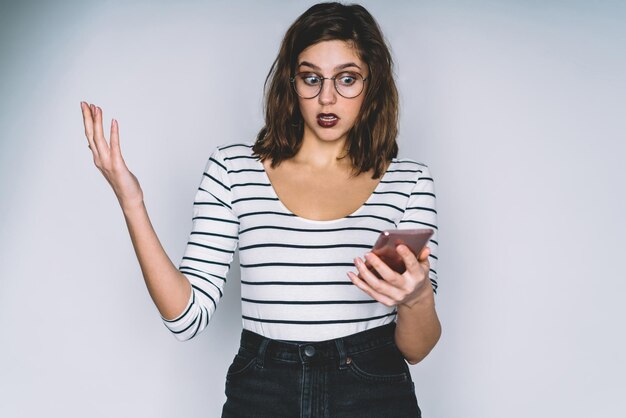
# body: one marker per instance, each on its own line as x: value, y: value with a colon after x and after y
x: 303, y: 201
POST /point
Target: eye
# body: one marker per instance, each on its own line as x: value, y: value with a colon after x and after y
x: 346, y: 79
x: 311, y: 79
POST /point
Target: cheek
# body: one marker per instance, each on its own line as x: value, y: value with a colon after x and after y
x: 305, y: 107
x: 354, y: 109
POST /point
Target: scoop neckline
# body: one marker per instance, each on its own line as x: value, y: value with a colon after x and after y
x: 322, y: 221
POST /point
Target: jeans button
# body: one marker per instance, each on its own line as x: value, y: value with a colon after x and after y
x: 309, y: 350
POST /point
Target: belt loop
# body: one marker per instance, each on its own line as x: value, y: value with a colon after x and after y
x: 342, y: 353
x: 261, y: 353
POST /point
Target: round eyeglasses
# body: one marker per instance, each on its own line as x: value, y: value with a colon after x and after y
x: 308, y: 85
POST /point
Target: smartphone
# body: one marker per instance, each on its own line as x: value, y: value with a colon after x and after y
x: 385, y: 246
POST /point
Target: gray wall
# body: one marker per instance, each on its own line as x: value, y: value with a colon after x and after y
x: 516, y: 107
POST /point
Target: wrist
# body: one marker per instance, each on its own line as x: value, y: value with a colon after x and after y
x: 424, y: 298
x: 132, y: 207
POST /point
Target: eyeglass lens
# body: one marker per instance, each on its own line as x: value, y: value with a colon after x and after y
x: 309, y: 85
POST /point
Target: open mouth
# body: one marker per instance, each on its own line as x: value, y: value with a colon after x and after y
x: 327, y: 120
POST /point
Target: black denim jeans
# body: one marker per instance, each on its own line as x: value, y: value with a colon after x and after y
x: 361, y: 375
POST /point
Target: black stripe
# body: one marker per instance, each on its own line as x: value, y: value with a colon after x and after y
x: 276, y: 283
x: 204, y: 272
x: 217, y: 181
x: 218, y: 163
x: 333, y: 321
x: 308, y: 302
x: 423, y: 193
x: 254, y: 198
x: 215, y: 219
x: 256, y: 170
x: 209, y: 204
x: 266, y: 212
x: 187, y: 327
x: 216, y: 198
x: 212, y: 248
x: 237, y: 157
x: 213, y: 234
x: 417, y: 222
x: 250, y: 184
x: 404, y: 171
x: 425, y: 178
x: 348, y: 228
x: 398, y: 181
x: 276, y: 244
x: 206, y: 261
x: 422, y: 208
x: 296, y: 265
x: 392, y: 192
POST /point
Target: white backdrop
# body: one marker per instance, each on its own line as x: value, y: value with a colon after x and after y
x: 515, y: 106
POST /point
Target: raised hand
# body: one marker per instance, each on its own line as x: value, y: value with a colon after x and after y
x: 109, y: 159
x: 390, y: 287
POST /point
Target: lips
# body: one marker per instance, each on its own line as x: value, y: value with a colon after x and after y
x: 327, y: 120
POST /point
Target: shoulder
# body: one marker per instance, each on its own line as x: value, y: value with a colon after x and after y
x: 409, y: 165
x: 417, y: 164
x: 233, y: 149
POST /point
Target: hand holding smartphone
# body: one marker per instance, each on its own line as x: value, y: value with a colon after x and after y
x: 385, y: 246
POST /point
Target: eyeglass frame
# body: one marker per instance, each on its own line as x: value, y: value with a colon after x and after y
x: 292, y: 80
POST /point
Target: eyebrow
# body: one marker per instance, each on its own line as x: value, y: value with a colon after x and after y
x: 339, y: 67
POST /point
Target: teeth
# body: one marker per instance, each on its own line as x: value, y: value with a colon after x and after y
x: 329, y: 118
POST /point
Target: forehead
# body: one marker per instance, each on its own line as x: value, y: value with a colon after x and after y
x: 328, y: 55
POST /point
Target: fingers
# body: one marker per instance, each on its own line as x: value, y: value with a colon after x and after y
x: 358, y: 282
x: 92, y: 118
x: 385, y: 272
x: 384, y: 289
x: 424, y: 254
x: 410, y: 261
x: 88, y: 122
x: 392, y: 288
x: 115, y: 140
x: 99, y: 139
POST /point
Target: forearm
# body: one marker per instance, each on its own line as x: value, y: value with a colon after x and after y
x: 168, y: 287
x: 418, y: 329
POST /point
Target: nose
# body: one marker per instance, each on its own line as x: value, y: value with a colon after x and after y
x: 328, y: 95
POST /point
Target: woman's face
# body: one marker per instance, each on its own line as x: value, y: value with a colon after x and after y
x: 329, y: 116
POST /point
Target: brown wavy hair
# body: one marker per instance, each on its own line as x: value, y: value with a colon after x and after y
x: 372, y: 140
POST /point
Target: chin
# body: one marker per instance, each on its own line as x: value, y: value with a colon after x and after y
x: 328, y: 134
x: 332, y: 136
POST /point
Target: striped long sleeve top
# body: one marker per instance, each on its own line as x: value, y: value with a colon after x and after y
x: 293, y: 270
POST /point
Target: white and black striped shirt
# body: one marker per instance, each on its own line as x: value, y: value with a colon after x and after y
x: 293, y: 270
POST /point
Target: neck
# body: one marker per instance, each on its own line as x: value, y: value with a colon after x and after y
x: 323, y: 155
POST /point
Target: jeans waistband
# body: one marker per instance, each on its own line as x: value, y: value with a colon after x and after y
x: 317, y: 351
